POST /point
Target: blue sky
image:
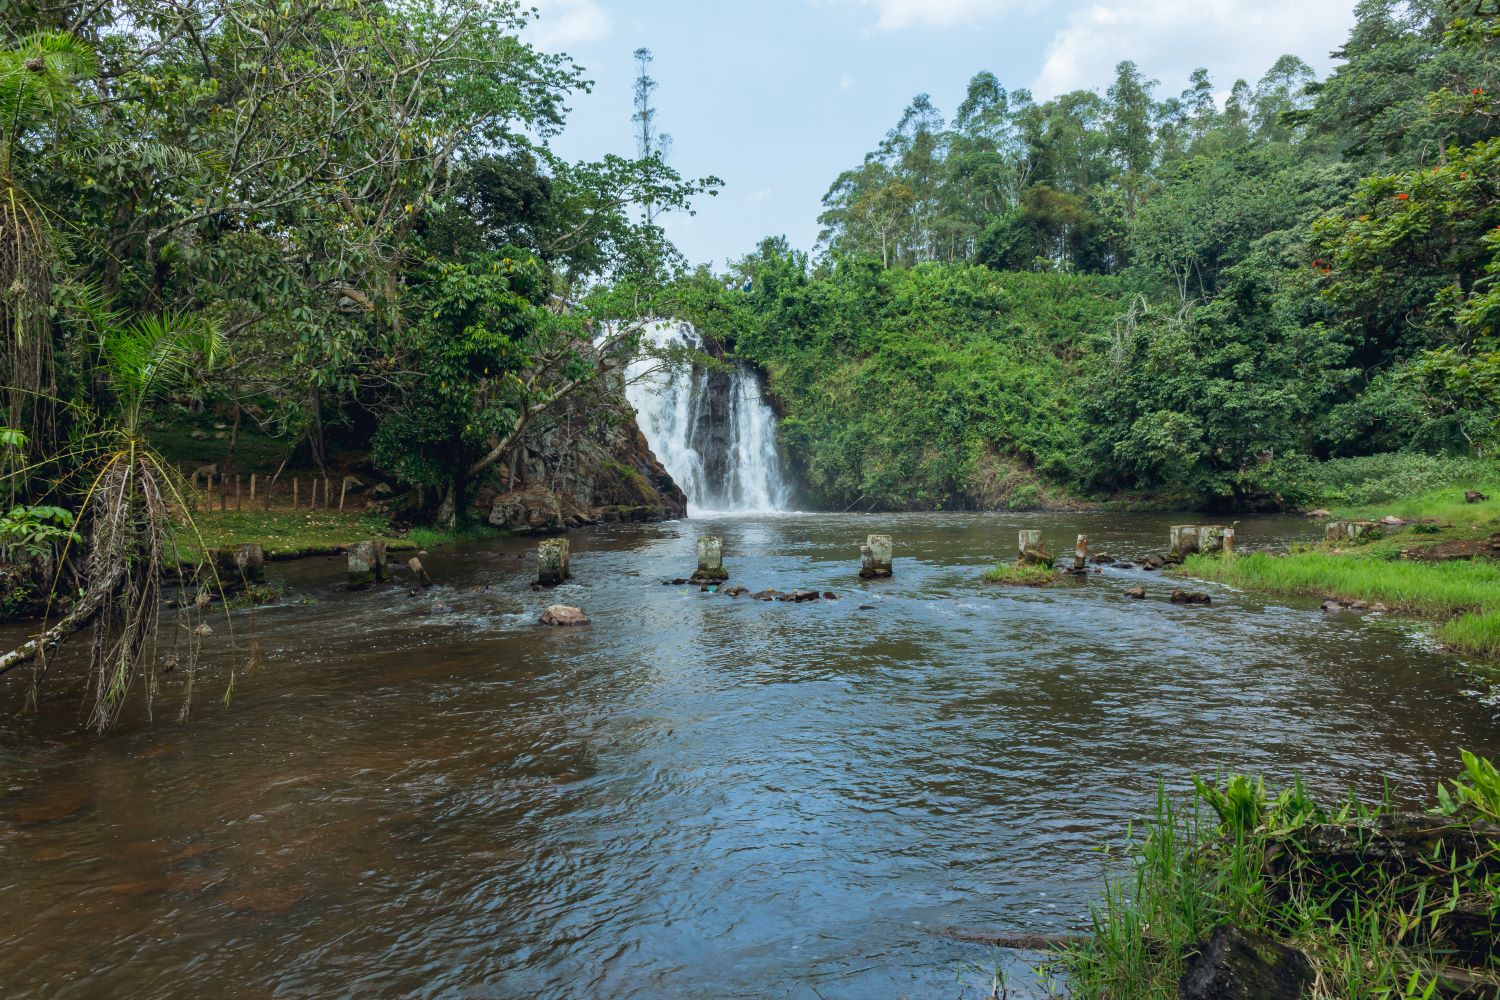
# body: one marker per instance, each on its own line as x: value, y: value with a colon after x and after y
x: 778, y: 97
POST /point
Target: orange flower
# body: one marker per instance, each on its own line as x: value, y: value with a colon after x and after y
x: 1403, y: 197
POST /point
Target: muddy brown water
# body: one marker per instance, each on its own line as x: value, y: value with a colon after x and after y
x: 694, y: 797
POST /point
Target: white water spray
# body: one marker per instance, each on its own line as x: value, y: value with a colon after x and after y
x: 714, y: 432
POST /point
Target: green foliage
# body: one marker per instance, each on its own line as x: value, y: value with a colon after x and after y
x: 1481, y: 792
x: 27, y: 532
x: 919, y: 388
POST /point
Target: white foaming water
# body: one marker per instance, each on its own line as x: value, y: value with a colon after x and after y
x: 715, y: 433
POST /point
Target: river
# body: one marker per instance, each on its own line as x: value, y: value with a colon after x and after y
x: 693, y: 797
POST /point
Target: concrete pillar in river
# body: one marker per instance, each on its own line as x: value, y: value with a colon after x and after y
x: 875, y: 557
x: 365, y: 564
x: 1081, y: 554
x: 553, y: 562
x: 1027, y: 539
x: 420, y: 572
x: 1184, y: 539
x: 240, y: 566
x: 1033, y: 552
x: 710, y: 561
x: 1348, y: 531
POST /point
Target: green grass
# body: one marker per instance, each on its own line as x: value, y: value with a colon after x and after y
x: 288, y: 534
x: 1371, y: 927
x: 1468, y: 593
x: 1017, y: 575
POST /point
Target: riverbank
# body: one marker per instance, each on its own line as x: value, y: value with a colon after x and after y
x: 1284, y: 897
x: 1431, y: 556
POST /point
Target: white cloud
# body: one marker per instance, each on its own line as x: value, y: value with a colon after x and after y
x: 1169, y: 38
x: 892, y: 15
x: 562, y: 23
x: 846, y: 83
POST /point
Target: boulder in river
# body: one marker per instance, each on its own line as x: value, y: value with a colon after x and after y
x: 1136, y: 593
x: 769, y: 595
x: 1241, y: 965
x: 563, y: 616
x: 1185, y: 597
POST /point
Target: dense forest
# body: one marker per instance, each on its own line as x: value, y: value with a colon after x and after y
x: 1187, y: 298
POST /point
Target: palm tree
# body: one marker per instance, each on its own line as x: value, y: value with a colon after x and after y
x: 132, y: 499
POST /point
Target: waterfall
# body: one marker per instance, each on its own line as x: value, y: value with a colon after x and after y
x: 713, y: 431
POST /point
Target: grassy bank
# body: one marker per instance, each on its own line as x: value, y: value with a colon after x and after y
x: 288, y: 534
x: 1414, y: 568
x: 293, y: 534
x: 1377, y: 905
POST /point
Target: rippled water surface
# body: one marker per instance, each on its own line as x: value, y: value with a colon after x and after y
x: 694, y: 797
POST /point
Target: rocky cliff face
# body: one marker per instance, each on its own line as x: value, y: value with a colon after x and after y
x: 591, y: 465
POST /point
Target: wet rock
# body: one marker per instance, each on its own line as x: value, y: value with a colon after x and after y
x: 562, y: 616
x: 534, y: 511
x: 830, y: 596
x: 1105, y: 559
x: 867, y: 607
x: 679, y: 582
x: 1474, y: 496
x: 1240, y: 965
x: 1320, y: 513
x: 737, y: 591
x: 768, y: 595
x: 1153, y: 563
x: 805, y: 596
x: 1184, y: 597
x: 1136, y: 593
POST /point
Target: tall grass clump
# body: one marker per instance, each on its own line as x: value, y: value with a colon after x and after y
x: 1381, y: 905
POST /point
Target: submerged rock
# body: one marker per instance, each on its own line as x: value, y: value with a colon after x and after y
x: 1136, y: 593
x: 1241, y: 965
x: 562, y: 616
x: 768, y: 595
x: 1184, y: 597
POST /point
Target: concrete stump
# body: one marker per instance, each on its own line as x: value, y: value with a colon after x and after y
x: 1348, y: 531
x: 362, y: 572
x: 1033, y: 552
x: 1028, y: 539
x: 710, y: 561
x: 553, y: 566
x: 382, y: 565
x: 420, y: 572
x: 1081, y: 554
x: 1228, y: 546
x: 875, y: 557
x: 241, y: 566
x: 1185, y: 539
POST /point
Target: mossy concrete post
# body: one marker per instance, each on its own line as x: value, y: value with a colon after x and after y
x: 1185, y: 539
x: 240, y: 566
x: 710, y: 561
x: 552, y: 558
x: 875, y: 557
x: 382, y: 565
x: 1033, y: 552
x: 1081, y: 554
x: 1229, y: 536
x: 420, y: 572
x: 362, y: 572
x: 1349, y: 531
x: 1211, y: 538
x: 1027, y: 539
